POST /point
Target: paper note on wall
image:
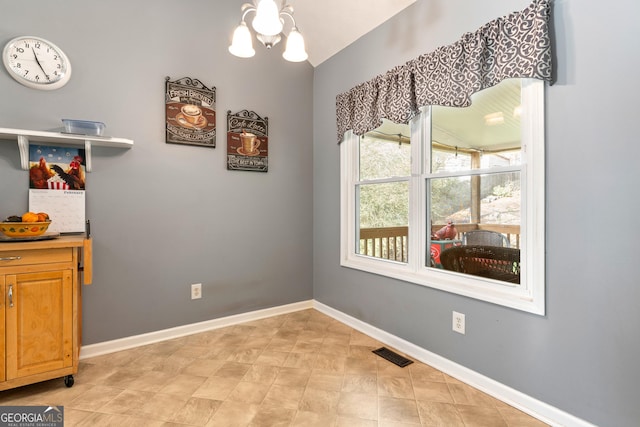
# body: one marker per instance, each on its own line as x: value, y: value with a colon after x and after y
x: 66, y: 208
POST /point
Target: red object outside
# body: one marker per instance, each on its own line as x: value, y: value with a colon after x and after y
x: 437, y: 246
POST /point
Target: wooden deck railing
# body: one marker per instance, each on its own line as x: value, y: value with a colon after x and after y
x: 392, y: 242
x: 387, y: 242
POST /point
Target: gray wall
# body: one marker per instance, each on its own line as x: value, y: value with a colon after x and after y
x: 165, y: 216
x: 582, y: 357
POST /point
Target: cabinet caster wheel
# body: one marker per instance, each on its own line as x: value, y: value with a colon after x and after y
x: 68, y: 380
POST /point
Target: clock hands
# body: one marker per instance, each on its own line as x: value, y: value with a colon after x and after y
x: 39, y: 64
x: 36, y: 63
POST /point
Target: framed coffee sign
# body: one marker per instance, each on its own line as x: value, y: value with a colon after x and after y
x: 247, y: 141
x: 190, y: 111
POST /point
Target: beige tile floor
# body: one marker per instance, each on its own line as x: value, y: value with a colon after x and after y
x: 299, y: 369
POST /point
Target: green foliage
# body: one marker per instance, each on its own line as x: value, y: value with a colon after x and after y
x: 506, y: 190
x: 384, y: 159
x: 449, y: 195
x: 384, y: 204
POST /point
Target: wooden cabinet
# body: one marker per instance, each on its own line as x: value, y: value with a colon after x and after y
x: 40, y: 312
x: 3, y: 375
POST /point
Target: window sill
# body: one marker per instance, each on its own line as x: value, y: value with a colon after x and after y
x: 508, y: 295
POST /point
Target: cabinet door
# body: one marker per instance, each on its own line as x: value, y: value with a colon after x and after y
x: 3, y: 300
x: 39, y: 322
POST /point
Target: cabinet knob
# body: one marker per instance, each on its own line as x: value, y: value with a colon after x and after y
x: 10, y: 295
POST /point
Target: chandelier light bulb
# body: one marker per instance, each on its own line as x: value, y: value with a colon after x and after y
x: 267, y: 20
x: 295, y: 50
x: 241, y: 44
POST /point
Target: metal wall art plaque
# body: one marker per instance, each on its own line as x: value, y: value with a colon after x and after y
x: 247, y: 141
x: 190, y: 111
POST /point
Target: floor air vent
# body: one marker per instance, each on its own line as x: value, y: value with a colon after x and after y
x: 393, y: 357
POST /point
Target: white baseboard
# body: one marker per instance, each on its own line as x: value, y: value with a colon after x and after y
x: 540, y: 410
x: 93, y: 350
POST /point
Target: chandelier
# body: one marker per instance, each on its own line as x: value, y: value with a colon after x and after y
x: 267, y: 23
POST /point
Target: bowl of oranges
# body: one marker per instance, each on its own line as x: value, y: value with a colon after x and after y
x: 29, y: 224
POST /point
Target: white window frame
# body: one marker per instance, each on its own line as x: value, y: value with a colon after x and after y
x: 529, y: 295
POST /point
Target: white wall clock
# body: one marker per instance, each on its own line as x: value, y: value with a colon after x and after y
x: 36, y: 63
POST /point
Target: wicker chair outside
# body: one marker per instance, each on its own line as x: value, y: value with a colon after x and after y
x: 485, y: 237
x: 493, y: 262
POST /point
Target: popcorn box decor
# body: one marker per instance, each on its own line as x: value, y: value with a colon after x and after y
x: 58, y: 185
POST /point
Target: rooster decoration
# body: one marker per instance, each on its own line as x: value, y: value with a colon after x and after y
x: 447, y: 232
x: 74, y: 175
x: 39, y: 174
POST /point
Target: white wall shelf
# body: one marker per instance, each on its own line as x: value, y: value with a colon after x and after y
x: 25, y: 137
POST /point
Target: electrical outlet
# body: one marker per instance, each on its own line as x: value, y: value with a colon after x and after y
x: 458, y: 322
x: 196, y: 291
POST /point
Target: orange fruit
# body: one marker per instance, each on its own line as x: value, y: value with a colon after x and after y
x: 30, y: 217
x: 43, y: 216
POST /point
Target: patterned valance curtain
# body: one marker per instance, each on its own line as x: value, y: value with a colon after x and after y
x: 516, y: 45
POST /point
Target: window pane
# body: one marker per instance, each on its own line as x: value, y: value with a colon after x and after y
x: 486, y: 134
x: 481, y: 199
x: 475, y: 210
x: 385, y: 152
x: 383, y: 219
x: 449, y: 161
x: 450, y: 200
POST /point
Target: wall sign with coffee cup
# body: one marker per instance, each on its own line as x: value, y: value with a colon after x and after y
x: 247, y: 141
x: 190, y: 111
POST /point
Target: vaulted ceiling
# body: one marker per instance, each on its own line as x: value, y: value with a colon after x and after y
x: 329, y: 26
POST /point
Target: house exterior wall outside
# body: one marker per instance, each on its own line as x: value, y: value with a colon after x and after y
x: 164, y: 216
x: 581, y: 357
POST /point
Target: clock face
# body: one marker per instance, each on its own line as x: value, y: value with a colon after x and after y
x: 36, y: 63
